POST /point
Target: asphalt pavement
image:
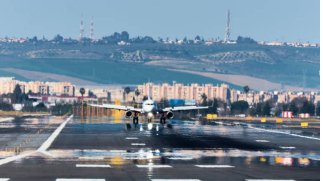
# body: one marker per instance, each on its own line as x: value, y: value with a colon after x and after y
x: 102, y: 149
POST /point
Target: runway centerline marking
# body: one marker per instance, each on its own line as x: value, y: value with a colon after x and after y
x: 138, y: 144
x: 214, y: 166
x: 281, y: 132
x: 131, y: 138
x: 79, y: 179
x: 262, y: 141
x: 154, y: 166
x: 287, y: 147
x: 92, y: 166
x: 175, y: 180
x: 4, y: 179
x: 180, y: 158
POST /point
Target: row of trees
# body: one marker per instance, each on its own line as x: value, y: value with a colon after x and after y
x: 268, y: 108
x: 124, y: 36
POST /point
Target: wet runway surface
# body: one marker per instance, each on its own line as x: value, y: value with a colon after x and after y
x: 108, y: 149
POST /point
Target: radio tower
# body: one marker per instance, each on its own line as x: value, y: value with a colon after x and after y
x: 92, y: 30
x: 81, y: 29
x: 227, y: 29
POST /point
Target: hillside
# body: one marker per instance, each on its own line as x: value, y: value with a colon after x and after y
x: 142, y: 62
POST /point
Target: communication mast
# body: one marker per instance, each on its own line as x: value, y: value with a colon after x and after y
x: 81, y: 29
x: 92, y: 30
x: 227, y: 28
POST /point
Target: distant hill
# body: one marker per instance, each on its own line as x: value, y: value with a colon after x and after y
x: 158, y: 62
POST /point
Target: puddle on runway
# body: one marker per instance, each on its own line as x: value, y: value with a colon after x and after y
x: 169, y: 156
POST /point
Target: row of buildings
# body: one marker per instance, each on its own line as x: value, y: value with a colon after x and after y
x: 8, y: 84
x: 222, y: 92
x: 67, y: 92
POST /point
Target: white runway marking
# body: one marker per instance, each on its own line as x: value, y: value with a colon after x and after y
x: 215, y: 166
x: 287, y: 147
x: 6, y: 119
x: 4, y: 179
x: 262, y: 141
x: 92, y: 166
x: 154, y: 166
x: 13, y: 158
x: 91, y: 158
x: 41, y: 149
x: 267, y: 180
x: 79, y: 179
x: 281, y: 132
x: 131, y: 138
x: 175, y: 180
x: 180, y: 158
x: 138, y: 144
x: 52, y: 137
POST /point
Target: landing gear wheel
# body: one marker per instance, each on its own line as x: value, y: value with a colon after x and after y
x: 135, y: 120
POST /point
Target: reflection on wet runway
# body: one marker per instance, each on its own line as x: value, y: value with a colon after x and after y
x: 154, y: 151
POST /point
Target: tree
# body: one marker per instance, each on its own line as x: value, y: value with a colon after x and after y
x: 126, y: 91
x: 17, y: 95
x: 58, y: 39
x: 245, y: 40
x: 91, y: 94
x: 124, y: 36
x: 204, y: 99
x: 318, y: 108
x: 267, y: 108
x: 246, y: 89
x: 82, y: 91
x: 5, y: 106
x: 137, y: 93
x: 239, y: 107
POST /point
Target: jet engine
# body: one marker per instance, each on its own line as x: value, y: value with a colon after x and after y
x: 128, y: 113
x: 170, y: 115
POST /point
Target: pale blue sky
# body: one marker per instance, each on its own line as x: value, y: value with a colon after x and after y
x: 286, y: 20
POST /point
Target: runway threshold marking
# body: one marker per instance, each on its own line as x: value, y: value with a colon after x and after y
x: 281, y: 132
x: 79, y: 179
x: 154, y: 166
x: 214, y: 166
x: 92, y: 166
x: 53, y: 136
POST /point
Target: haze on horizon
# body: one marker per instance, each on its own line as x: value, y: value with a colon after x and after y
x: 267, y: 20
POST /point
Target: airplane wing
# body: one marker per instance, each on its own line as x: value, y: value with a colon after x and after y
x: 184, y: 108
x: 117, y: 107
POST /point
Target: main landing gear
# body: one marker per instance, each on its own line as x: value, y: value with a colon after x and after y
x: 135, y: 118
x: 163, y: 119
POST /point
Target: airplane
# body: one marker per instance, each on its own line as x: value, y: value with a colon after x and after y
x: 149, y: 108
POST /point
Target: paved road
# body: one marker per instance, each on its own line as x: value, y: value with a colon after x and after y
x: 108, y: 149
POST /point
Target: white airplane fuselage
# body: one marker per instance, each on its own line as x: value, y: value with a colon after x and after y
x: 148, y: 106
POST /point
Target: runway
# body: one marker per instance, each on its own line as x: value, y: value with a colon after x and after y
x: 103, y: 149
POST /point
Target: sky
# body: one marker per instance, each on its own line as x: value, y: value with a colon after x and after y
x: 263, y: 20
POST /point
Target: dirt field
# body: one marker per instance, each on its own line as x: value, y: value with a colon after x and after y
x: 242, y: 80
x: 42, y: 76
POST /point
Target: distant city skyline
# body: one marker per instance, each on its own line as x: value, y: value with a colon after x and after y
x: 288, y: 20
